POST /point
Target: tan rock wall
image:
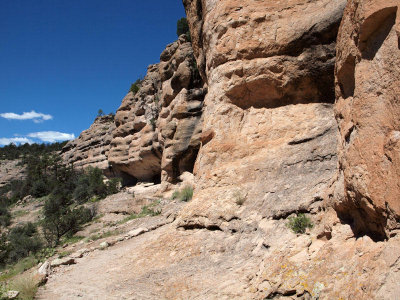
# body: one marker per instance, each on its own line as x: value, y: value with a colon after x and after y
x: 92, y: 146
x: 269, y: 67
x: 157, y: 133
x: 10, y: 170
x: 368, y: 114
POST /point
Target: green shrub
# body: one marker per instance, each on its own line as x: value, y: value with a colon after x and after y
x: 100, y: 113
x: 45, y: 253
x: 91, y: 183
x: 175, y: 195
x: 300, y: 223
x: 182, y: 26
x: 61, y: 220
x: 136, y: 86
x: 114, y: 185
x: 5, y: 216
x: 17, y: 268
x: 23, y: 241
x: 4, y: 249
x: 184, y: 194
x: 146, y: 211
x: 40, y: 188
x: 81, y: 193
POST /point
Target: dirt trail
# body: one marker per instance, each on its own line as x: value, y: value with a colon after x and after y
x: 161, y: 264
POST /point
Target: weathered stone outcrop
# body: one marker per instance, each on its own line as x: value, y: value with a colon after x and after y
x: 269, y: 128
x: 368, y: 114
x: 11, y: 170
x: 92, y: 146
x: 157, y: 133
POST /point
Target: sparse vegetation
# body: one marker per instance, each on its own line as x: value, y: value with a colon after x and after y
x: 19, y: 267
x: 100, y: 113
x: 5, y: 216
x: 153, y: 123
x: 240, y: 199
x: 22, y: 241
x: 182, y: 27
x: 65, y: 193
x: 106, y: 234
x: 63, y: 190
x: 184, y: 194
x: 147, y: 210
x: 26, y: 285
x: 64, y: 254
x: 300, y: 223
x: 136, y: 86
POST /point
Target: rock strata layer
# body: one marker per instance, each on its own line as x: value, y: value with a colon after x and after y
x: 158, y: 129
x: 368, y: 114
x: 92, y: 146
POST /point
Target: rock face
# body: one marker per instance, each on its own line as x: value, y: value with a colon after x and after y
x: 267, y: 143
x: 10, y: 170
x: 269, y: 128
x: 157, y: 133
x: 368, y: 114
x: 92, y: 146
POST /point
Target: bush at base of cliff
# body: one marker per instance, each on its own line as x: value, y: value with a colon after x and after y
x: 184, y: 195
x: 300, y: 223
x: 91, y: 183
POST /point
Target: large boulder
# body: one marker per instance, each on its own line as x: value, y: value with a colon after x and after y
x: 368, y: 114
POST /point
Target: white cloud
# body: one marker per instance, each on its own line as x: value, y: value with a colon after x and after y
x: 32, y: 115
x: 52, y: 136
x: 16, y: 140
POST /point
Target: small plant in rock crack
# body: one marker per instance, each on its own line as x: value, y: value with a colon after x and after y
x: 240, y: 199
x: 300, y: 223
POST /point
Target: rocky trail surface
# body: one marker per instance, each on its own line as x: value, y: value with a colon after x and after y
x: 156, y: 257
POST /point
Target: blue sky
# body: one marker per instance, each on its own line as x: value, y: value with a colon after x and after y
x: 63, y: 60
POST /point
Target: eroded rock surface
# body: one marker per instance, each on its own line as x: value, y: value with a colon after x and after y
x: 268, y: 151
x: 158, y: 129
x: 10, y: 170
x: 269, y: 128
x: 368, y: 114
x: 92, y: 146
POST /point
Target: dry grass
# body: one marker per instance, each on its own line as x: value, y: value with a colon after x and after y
x: 26, y: 285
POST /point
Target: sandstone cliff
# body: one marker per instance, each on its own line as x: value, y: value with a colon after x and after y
x: 259, y: 133
x: 157, y: 133
x: 368, y: 114
x: 92, y: 146
x: 269, y: 107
